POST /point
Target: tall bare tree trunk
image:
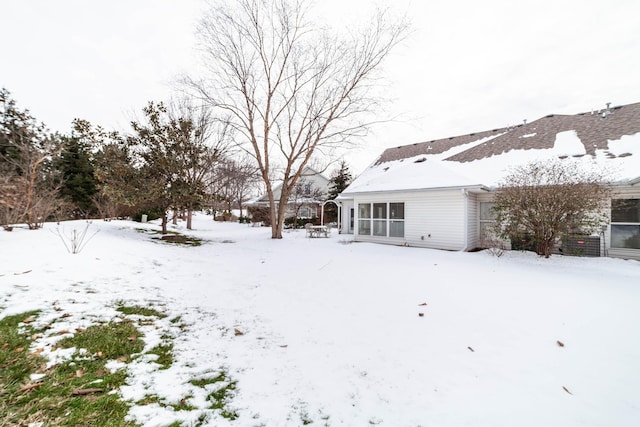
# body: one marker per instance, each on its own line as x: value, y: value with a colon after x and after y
x: 165, y: 221
x: 290, y: 88
x: 189, y: 218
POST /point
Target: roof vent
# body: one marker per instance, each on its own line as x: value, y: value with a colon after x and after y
x: 524, y: 121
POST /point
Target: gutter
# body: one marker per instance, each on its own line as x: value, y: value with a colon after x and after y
x: 416, y: 190
x: 465, y: 194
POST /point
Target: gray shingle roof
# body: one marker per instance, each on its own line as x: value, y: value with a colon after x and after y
x: 593, y: 128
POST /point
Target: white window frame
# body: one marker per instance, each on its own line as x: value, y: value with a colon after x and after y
x: 304, y: 212
x: 485, y: 222
x: 625, y: 224
x: 378, y: 222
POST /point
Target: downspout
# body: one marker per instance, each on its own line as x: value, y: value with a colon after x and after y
x: 465, y: 194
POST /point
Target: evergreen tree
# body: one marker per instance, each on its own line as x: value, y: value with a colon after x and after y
x: 79, y: 185
x: 340, y: 180
x: 117, y: 180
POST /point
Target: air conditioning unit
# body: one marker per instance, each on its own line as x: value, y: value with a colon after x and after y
x: 578, y: 245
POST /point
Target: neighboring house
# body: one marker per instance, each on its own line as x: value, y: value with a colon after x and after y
x: 306, y: 199
x: 438, y: 194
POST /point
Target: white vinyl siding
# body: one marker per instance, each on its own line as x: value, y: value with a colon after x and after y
x: 473, y: 229
x: 432, y: 219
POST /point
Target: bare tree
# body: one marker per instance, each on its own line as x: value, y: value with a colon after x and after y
x: 233, y: 180
x: 545, y: 200
x: 292, y: 89
x: 26, y: 151
x: 10, y: 200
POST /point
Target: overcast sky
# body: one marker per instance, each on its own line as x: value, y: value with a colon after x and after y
x: 468, y: 65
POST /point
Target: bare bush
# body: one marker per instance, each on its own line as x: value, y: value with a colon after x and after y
x: 494, y: 246
x: 75, y: 240
x: 545, y: 200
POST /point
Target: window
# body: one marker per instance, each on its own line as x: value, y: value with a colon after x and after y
x: 307, y: 189
x: 364, y: 219
x: 381, y: 219
x: 396, y: 219
x: 487, y: 220
x: 305, y: 212
x: 625, y: 210
x: 625, y: 223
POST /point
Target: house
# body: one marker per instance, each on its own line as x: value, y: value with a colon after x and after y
x: 438, y: 194
x: 305, y: 200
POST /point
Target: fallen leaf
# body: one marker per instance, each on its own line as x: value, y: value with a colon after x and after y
x: 63, y: 332
x: 80, y: 330
x: 80, y: 373
x: 284, y: 346
x: 82, y: 392
x: 567, y: 390
x: 421, y: 314
x: 18, y: 350
x: 24, y: 272
x: 99, y: 354
x: 123, y: 358
x: 5, y: 346
x: 560, y: 343
x: 423, y: 304
x: 238, y: 332
x: 64, y: 316
x: 57, y: 308
x: 472, y: 350
x: 28, y: 319
x: 36, y: 336
x: 30, y: 387
x: 133, y: 338
x: 38, y: 351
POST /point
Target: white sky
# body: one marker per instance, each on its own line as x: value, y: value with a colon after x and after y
x: 468, y: 66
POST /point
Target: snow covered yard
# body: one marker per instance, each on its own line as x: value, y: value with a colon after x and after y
x: 326, y: 332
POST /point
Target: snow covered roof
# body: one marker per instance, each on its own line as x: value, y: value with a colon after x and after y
x: 609, y: 138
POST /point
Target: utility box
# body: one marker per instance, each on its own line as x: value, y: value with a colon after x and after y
x: 144, y: 218
x: 582, y: 246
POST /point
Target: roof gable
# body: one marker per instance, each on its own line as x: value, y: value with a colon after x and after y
x: 609, y: 138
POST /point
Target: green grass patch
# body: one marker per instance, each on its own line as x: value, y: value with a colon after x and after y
x: 220, y: 397
x: 60, y: 398
x: 164, y: 353
x: 138, y: 310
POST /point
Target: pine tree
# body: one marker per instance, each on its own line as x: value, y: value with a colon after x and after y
x: 79, y: 185
x: 340, y: 180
